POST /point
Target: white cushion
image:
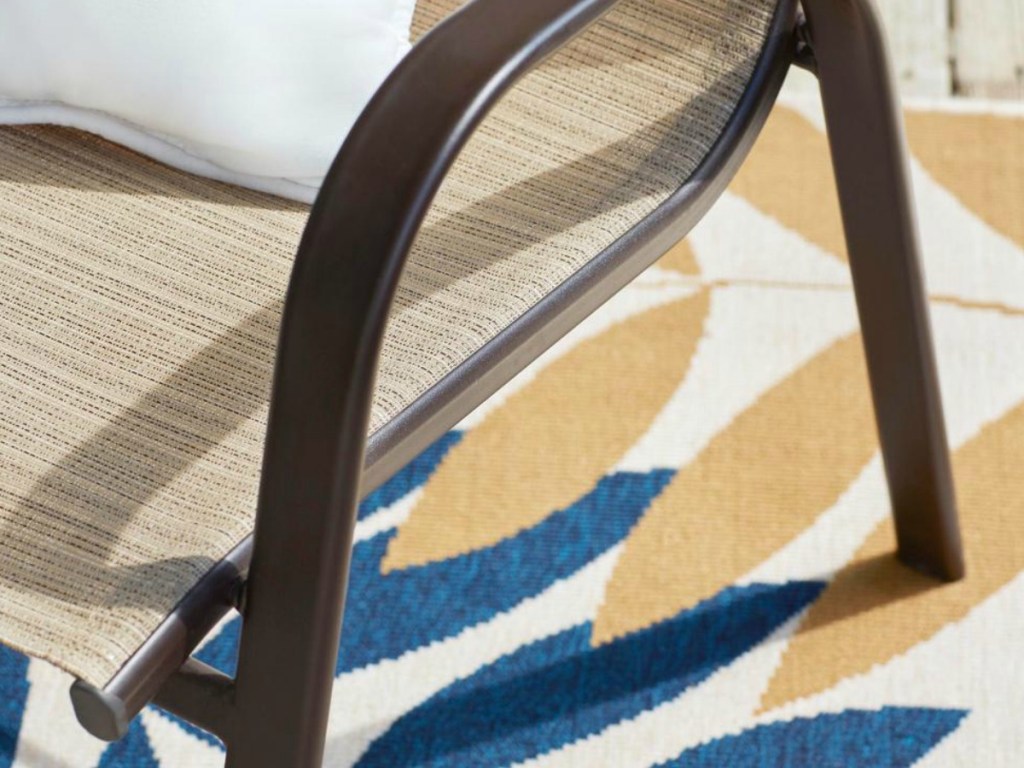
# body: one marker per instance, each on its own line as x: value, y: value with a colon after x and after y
x: 256, y: 92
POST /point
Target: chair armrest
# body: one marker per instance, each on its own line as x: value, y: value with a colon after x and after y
x: 350, y: 259
x: 375, y: 197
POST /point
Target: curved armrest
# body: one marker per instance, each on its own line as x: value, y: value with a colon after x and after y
x: 365, y: 219
x: 357, y: 239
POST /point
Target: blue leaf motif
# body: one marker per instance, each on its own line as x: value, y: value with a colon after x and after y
x: 895, y: 737
x: 133, y: 751
x: 389, y: 614
x: 222, y: 651
x: 13, y: 694
x: 561, y: 689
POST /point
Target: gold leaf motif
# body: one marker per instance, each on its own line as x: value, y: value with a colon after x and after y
x: 788, y: 175
x: 876, y: 608
x: 681, y: 259
x: 549, y: 443
x: 756, y: 486
x: 979, y: 159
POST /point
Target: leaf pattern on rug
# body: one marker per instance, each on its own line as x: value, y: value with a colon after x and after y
x: 980, y: 159
x: 895, y: 737
x: 876, y: 608
x: 410, y: 477
x: 133, y: 751
x: 560, y: 689
x: 547, y: 444
x: 758, y: 484
x: 790, y: 165
x: 681, y: 259
x: 391, y: 613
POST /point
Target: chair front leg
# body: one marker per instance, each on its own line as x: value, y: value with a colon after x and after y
x: 867, y: 142
x: 353, y: 250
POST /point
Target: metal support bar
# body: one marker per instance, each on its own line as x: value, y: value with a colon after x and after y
x: 865, y: 132
x: 202, y: 695
x: 107, y: 713
x: 804, y: 57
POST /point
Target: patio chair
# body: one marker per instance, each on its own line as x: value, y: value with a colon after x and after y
x: 523, y: 163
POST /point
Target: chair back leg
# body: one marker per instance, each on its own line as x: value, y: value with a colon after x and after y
x: 869, y: 157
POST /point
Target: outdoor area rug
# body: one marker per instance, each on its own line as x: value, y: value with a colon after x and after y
x: 667, y: 542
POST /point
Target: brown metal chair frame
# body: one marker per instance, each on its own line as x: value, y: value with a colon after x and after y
x: 288, y: 580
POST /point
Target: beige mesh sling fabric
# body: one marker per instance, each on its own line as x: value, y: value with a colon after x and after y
x: 140, y: 309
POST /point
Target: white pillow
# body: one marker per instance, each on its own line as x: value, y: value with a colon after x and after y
x: 254, y: 92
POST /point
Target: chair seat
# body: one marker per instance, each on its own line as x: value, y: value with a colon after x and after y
x: 141, y: 305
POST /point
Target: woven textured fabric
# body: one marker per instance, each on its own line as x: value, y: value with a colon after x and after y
x: 141, y: 308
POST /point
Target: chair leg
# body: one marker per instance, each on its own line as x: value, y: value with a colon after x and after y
x: 291, y: 628
x: 866, y: 137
